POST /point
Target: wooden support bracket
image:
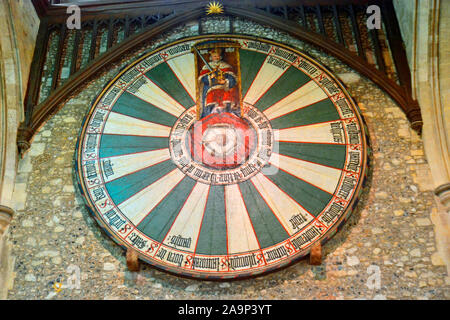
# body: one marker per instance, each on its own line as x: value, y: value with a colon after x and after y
x: 133, y: 260
x: 315, y: 256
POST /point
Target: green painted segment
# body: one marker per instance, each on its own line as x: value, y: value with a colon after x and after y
x: 163, y: 76
x: 319, y: 112
x: 251, y: 62
x: 213, y: 232
x: 158, y: 222
x: 126, y: 186
x: 268, y: 228
x: 290, y: 81
x: 116, y: 145
x: 132, y: 106
x: 308, y: 196
x: 327, y: 154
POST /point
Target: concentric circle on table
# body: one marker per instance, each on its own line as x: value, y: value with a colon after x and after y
x: 227, y: 195
x: 195, y: 149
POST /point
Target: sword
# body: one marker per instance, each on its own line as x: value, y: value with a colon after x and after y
x: 203, y: 59
x: 211, y: 70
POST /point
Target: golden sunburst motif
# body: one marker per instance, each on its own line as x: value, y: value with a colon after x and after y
x: 214, y: 8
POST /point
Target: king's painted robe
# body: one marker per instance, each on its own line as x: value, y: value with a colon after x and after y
x: 217, y: 97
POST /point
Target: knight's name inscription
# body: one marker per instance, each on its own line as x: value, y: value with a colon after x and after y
x: 229, y: 263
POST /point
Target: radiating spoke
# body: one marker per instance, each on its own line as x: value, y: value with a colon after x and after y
x: 241, y: 236
x: 321, y: 177
x: 125, y: 125
x: 166, y: 80
x: 153, y: 94
x: 183, y: 68
x: 282, y: 205
x: 138, y: 206
x: 326, y: 132
x: 185, y: 230
x: 266, y: 77
x: 116, y: 167
x: 304, y: 96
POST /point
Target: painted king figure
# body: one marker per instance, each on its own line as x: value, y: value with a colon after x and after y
x: 219, y: 86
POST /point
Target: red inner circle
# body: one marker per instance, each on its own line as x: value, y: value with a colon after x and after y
x: 222, y: 141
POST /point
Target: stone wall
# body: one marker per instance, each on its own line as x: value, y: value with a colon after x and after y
x: 386, y: 250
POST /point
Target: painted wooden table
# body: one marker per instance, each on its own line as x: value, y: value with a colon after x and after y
x: 219, y: 157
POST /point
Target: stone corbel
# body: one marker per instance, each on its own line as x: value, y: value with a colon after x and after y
x: 414, y: 116
x: 443, y: 193
x: 24, y: 135
x: 6, y: 214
